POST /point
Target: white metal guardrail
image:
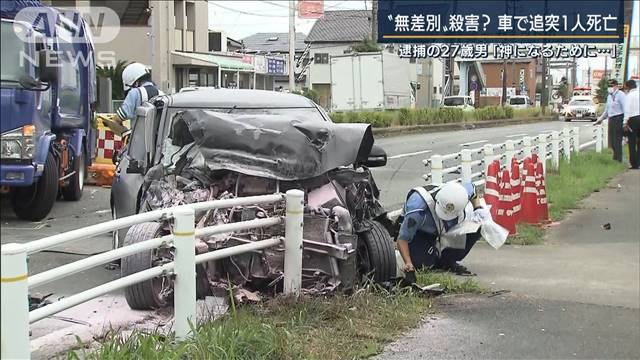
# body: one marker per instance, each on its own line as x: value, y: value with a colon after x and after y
x: 15, y: 282
x: 549, y: 146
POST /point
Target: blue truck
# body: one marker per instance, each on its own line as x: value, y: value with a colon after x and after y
x: 47, y: 89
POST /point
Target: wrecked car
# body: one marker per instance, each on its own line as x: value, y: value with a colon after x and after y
x: 217, y: 144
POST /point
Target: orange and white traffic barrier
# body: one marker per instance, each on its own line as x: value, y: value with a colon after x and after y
x: 543, y: 207
x: 529, y: 199
x: 491, y: 191
x: 504, y: 215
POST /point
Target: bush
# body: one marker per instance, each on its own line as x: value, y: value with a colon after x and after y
x: 412, y: 117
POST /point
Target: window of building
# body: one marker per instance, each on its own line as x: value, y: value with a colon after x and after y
x: 412, y: 60
x: 321, y: 58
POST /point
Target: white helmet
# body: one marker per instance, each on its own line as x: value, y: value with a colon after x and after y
x: 451, y: 201
x: 132, y: 73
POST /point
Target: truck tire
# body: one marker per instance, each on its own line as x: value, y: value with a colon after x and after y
x: 73, y: 191
x: 35, y: 202
x: 147, y: 294
x: 376, y: 254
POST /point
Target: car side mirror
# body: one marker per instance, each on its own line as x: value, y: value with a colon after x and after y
x: 47, y: 66
x: 377, y: 157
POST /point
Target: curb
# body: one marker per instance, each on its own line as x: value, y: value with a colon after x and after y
x: 401, y: 130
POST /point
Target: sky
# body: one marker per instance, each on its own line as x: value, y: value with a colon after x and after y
x: 240, y: 19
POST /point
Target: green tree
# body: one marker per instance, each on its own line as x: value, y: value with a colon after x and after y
x: 602, y: 93
x: 308, y: 93
x: 115, y: 74
x: 366, y: 45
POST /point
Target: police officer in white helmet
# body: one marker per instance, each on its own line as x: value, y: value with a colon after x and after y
x: 429, y: 214
x: 136, y: 81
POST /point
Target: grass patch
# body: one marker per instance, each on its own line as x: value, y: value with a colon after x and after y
x: 573, y: 181
x: 527, y: 235
x: 336, y: 327
x: 449, y: 282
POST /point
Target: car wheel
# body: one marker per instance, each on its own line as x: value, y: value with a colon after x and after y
x: 157, y: 292
x: 376, y: 254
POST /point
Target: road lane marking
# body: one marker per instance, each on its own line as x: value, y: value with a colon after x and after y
x: 103, y: 211
x: 515, y: 135
x: 474, y: 142
x: 399, y: 156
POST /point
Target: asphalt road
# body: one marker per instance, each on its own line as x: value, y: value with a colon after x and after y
x: 403, y: 171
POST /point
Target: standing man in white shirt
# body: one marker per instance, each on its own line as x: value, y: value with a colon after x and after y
x: 632, y: 121
x: 614, y: 111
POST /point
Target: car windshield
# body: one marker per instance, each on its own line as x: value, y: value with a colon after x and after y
x: 13, y: 67
x: 453, y: 101
x: 517, y: 101
x: 580, y: 103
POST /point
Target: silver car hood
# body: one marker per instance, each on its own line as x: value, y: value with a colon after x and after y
x: 273, y: 146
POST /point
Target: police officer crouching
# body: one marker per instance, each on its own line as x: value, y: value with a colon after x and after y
x: 426, y: 239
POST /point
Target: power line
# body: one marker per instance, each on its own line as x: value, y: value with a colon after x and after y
x: 246, y: 12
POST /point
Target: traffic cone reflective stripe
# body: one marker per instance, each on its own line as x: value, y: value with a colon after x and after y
x: 529, y: 199
x: 504, y: 214
x: 543, y: 208
x: 491, y: 194
x: 516, y: 188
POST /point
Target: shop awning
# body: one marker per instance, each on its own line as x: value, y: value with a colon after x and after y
x: 209, y: 60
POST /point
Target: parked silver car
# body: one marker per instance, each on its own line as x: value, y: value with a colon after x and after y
x: 217, y: 143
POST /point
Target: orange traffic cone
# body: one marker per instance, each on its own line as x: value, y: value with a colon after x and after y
x: 529, y: 199
x: 516, y: 188
x: 491, y: 191
x: 543, y: 208
x: 504, y: 216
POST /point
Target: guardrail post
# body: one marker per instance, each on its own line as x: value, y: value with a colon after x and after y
x: 436, y: 169
x: 566, y: 143
x: 555, y: 149
x: 576, y: 139
x: 465, y: 154
x: 605, y: 134
x: 542, y: 153
x: 293, y: 242
x: 15, y: 303
x: 185, y: 271
x: 598, y: 131
x: 527, y: 147
x: 510, y: 150
x: 487, y: 149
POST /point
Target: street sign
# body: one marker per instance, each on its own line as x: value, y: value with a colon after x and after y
x: 310, y: 9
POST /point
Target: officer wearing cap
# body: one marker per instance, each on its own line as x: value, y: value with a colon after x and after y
x: 429, y: 213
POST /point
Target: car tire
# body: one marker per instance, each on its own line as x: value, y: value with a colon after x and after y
x: 376, y: 253
x: 144, y: 295
x: 73, y: 191
x: 34, y: 202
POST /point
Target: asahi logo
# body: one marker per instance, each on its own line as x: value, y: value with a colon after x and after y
x: 102, y: 22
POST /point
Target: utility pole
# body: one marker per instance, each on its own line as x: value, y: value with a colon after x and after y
x: 374, y: 21
x: 292, y: 45
x: 589, y: 76
x: 504, y: 82
x: 543, y: 96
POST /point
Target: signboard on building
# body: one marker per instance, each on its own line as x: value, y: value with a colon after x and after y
x: 276, y: 66
x: 310, y: 9
x: 260, y: 64
x: 247, y: 59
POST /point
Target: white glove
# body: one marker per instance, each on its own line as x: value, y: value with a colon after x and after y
x: 481, y: 215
